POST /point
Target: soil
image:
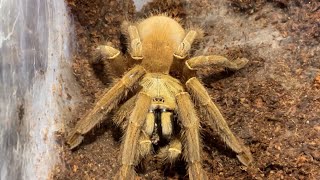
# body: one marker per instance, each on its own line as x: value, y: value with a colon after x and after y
x: 272, y: 105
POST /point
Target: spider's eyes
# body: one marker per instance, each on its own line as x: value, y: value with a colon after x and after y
x: 158, y: 99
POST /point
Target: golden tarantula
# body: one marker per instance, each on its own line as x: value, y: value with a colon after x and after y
x: 161, y: 109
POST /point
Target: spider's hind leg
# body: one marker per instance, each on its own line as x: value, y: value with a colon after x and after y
x: 117, y: 63
x: 185, y: 45
x: 135, y: 43
x: 200, y: 62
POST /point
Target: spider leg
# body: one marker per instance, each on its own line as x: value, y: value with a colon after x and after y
x: 129, y: 149
x: 123, y: 112
x: 166, y: 124
x: 199, y: 62
x: 107, y: 52
x: 145, y: 144
x: 185, y: 45
x: 104, y: 105
x: 149, y: 124
x: 135, y: 43
x: 117, y: 63
x: 190, y: 122
x: 170, y: 152
x: 199, y: 93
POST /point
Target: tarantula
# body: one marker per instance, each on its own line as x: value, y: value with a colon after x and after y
x: 161, y: 108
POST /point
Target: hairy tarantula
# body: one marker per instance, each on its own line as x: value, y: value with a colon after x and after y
x: 161, y: 108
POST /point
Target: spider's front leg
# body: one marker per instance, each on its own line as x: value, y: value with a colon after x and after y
x: 191, y: 137
x: 171, y: 152
x: 129, y: 150
x: 107, y: 102
x: 198, y: 91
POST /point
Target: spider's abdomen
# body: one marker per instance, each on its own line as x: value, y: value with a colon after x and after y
x: 161, y: 28
x: 160, y: 37
x: 162, y: 89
